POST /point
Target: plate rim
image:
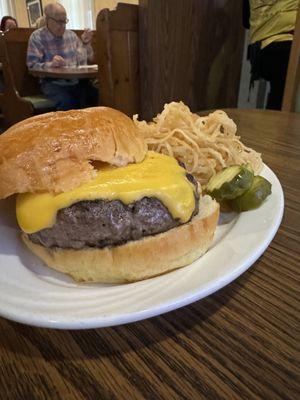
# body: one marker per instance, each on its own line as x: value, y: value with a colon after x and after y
x: 184, y: 299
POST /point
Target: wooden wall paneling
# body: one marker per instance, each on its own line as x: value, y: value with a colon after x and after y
x: 190, y: 50
x: 292, y: 83
x: 117, y: 41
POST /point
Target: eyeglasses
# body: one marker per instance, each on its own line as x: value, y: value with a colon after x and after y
x: 60, y: 21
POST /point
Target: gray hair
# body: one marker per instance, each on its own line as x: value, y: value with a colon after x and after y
x: 51, y: 9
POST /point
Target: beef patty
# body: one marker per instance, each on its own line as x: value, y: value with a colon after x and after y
x: 101, y: 223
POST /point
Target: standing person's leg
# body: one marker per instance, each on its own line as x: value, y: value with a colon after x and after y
x: 63, y: 96
x: 274, y: 64
x: 276, y: 94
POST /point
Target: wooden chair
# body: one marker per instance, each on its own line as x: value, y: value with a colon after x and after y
x: 118, y: 61
x: 291, y: 97
x: 22, y: 97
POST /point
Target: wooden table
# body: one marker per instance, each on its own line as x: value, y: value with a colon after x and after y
x: 66, y: 73
x: 239, y: 343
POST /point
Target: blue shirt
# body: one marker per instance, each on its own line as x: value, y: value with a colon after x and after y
x: 43, y: 46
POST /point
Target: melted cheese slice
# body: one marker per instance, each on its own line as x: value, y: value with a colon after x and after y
x: 157, y: 176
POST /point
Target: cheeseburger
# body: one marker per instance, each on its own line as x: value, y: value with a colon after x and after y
x: 94, y: 204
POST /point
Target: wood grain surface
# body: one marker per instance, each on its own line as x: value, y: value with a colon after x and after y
x: 118, y: 58
x: 189, y: 50
x: 239, y: 343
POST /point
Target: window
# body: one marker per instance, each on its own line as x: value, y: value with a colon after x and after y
x: 6, y: 8
x: 80, y: 13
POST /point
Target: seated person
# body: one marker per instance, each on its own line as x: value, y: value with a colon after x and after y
x: 54, y: 46
x: 7, y: 23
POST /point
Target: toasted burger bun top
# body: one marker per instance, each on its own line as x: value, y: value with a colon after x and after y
x: 53, y: 152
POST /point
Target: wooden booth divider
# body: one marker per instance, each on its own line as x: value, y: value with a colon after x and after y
x: 152, y: 54
x: 118, y: 58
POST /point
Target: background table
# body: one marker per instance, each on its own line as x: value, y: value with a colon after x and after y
x: 239, y: 343
x: 65, y: 73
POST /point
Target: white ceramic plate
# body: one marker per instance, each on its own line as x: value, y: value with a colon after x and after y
x: 36, y: 295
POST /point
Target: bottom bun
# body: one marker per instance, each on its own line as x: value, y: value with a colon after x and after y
x: 140, y: 259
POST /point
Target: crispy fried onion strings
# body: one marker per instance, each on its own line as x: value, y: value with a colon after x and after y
x: 204, y: 144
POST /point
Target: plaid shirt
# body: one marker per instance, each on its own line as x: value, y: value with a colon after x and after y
x: 43, y: 46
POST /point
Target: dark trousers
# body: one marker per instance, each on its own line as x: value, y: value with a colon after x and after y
x: 274, y: 60
x: 80, y: 95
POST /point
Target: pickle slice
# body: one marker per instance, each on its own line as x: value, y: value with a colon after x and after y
x: 254, y: 196
x: 229, y: 183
